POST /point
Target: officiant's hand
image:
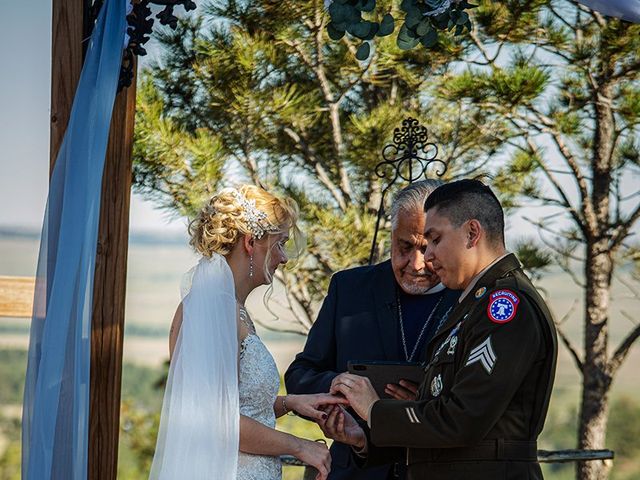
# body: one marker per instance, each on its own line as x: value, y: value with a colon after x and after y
x: 310, y: 406
x: 404, y: 390
x: 342, y: 427
x: 358, y: 390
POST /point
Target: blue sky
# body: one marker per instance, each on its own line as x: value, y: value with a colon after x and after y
x: 25, y: 56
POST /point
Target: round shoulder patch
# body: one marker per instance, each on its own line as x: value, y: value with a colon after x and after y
x: 503, y: 305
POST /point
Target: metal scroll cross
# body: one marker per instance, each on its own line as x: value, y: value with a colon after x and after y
x: 408, y: 158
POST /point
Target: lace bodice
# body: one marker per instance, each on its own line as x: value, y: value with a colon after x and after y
x: 258, y: 389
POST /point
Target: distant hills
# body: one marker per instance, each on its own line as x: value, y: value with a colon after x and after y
x: 138, y: 238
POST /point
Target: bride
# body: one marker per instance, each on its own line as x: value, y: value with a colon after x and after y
x: 221, y: 400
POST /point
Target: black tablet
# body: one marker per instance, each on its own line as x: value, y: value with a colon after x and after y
x: 382, y: 373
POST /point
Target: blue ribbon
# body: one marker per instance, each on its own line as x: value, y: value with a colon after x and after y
x: 56, y: 397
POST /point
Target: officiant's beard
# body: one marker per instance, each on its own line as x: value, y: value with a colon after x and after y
x: 418, y: 287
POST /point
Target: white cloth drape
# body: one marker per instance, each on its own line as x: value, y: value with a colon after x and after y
x: 198, y: 438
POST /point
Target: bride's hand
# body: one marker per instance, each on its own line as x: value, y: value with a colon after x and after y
x: 311, y: 406
x: 315, y: 454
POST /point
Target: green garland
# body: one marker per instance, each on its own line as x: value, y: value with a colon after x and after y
x: 422, y: 21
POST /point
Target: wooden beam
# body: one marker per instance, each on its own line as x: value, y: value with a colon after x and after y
x: 16, y: 296
x: 109, y: 293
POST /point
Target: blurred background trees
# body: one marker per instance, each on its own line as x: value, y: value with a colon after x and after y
x: 256, y: 91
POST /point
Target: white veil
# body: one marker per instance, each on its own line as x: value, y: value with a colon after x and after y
x: 198, y: 437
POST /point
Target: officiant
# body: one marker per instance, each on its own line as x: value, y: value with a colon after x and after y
x: 383, y: 312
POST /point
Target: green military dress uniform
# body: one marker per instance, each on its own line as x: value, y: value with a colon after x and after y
x: 488, y: 378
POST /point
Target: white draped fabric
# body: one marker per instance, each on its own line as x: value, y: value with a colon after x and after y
x: 198, y: 438
x: 626, y: 9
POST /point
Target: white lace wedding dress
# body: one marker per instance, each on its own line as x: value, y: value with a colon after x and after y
x: 258, y: 389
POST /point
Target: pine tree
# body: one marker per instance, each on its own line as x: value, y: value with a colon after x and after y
x: 257, y: 91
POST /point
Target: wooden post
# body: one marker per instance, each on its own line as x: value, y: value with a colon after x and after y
x: 66, y: 65
x: 109, y: 293
x: 68, y: 22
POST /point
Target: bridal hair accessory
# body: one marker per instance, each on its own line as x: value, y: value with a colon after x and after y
x: 257, y: 220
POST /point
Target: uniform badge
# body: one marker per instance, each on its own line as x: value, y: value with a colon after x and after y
x: 447, y: 340
x: 452, y: 345
x: 503, y: 306
x: 480, y: 292
x: 436, y: 385
x: 484, y: 354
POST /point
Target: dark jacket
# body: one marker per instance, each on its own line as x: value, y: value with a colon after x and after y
x: 357, y: 321
x: 486, y: 391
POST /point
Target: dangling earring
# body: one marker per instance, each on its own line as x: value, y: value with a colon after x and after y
x: 251, y: 266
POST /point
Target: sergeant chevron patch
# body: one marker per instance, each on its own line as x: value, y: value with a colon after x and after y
x: 484, y: 354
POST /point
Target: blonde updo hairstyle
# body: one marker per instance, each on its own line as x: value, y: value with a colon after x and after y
x: 221, y: 223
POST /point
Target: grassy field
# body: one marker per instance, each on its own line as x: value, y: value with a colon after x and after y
x: 154, y: 274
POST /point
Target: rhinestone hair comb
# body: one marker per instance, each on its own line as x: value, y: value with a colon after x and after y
x: 256, y: 220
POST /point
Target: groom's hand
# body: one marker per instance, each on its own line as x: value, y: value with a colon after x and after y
x: 342, y: 427
x: 357, y: 390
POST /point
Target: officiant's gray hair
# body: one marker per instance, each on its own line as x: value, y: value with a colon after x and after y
x: 411, y: 199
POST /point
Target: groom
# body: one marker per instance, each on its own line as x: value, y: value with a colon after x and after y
x: 385, y: 312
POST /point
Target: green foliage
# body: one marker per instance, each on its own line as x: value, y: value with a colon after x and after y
x: 141, y: 402
x: 180, y: 156
x: 10, y: 462
x: 520, y: 84
x: 634, y: 256
x: 138, y: 382
x: 253, y: 93
x: 13, y: 366
x: 624, y: 429
x: 10, y: 456
x: 138, y: 434
x: 630, y: 103
x: 423, y: 19
x: 517, y: 178
x: 535, y: 259
x: 516, y: 20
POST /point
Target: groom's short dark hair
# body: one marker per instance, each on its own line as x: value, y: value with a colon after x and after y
x: 464, y: 200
